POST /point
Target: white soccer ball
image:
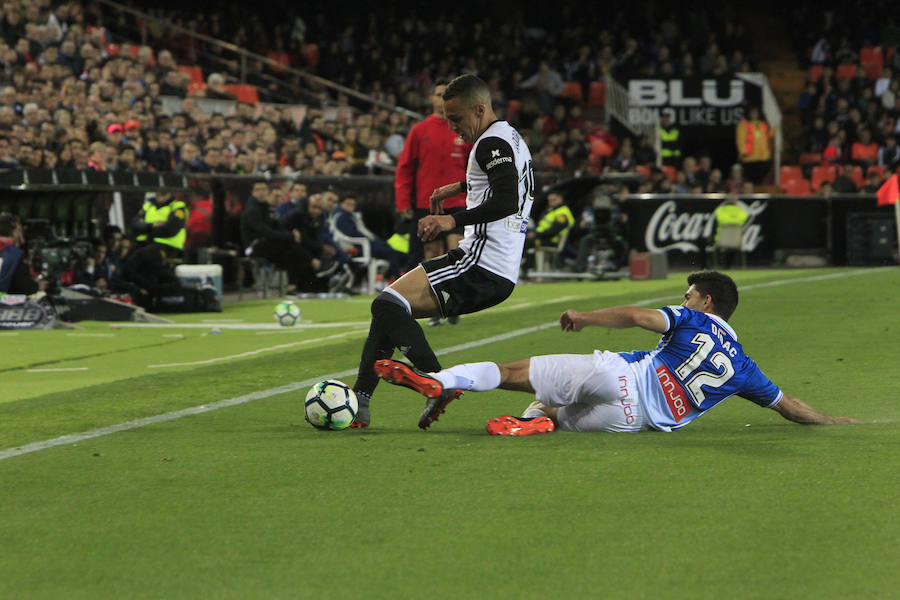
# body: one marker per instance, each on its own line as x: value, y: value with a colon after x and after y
x: 287, y: 313
x: 331, y: 404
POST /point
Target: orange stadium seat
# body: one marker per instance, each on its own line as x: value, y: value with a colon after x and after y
x: 880, y: 169
x: 790, y: 172
x: 845, y: 71
x: 196, y: 86
x: 871, y: 59
x: 822, y: 173
x: 796, y: 186
x: 643, y: 170
x: 810, y: 158
x: 669, y: 171
x: 573, y: 91
x: 193, y: 71
x: 244, y: 92
x: 601, y: 148
x: 815, y: 73
x: 597, y: 94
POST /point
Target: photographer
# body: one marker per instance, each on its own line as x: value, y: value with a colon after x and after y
x: 15, y: 277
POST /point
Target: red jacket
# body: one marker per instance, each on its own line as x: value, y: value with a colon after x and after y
x: 432, y: 156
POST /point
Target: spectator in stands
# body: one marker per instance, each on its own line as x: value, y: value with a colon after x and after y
x: 623, y: 161
x: 645, y: 154
x: 216, y: 89
x: 736, y: 179
x: 754, y: 145
x: 347, y: 221
x: 547, y: 84
x: 889, y: 153
x: 297, y: 199
x: 262, y: 238
x: 864, y: 152
x: 843, y: 183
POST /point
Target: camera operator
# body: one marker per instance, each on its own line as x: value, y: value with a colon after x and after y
x: 15, y: 277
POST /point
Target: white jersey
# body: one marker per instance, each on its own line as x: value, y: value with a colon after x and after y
x: 497, y: 246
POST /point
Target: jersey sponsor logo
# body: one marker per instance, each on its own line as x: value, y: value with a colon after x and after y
x: 625, y: 400
x: 675, y: 395
x: 496, y: 159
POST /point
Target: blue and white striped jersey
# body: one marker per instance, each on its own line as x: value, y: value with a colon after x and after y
x: 697, y: 364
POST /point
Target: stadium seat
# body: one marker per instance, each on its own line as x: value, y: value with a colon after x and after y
x: 245, y: 93
x: 597, y: 94
x: 810, y: 158
x: 196, y: 86
x: 601, y: 148
x: 871, y: 59
x: 796, y: 186
x: 815, y: 73
x: 822, y: 173
x: 669, y: 171
x: 193, y: 71
x: 845, y: 71
x: 880, y: 169
x: 790, y: 172
x: 644, y: 170
x: 572, y: 90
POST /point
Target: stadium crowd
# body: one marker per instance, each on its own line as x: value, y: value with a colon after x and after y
x: 71, y: 96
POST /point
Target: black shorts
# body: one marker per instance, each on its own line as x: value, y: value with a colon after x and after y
x: 460, y: 293
x: 424, y: 212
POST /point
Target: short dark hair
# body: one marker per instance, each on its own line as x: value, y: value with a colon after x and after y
x: 470, y: 88
x: 720, y: 287
x: 8, y: 224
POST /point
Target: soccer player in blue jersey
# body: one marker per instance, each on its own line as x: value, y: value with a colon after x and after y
x: 698, y: 364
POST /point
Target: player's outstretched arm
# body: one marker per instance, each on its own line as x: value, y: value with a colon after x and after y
x: 618, y: 317
x: 798, y: 411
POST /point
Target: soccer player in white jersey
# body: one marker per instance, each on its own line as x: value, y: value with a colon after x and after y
x: 478, y: 274
x: 697, y: 365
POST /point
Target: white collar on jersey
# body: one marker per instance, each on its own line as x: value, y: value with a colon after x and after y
x: 723, y: 324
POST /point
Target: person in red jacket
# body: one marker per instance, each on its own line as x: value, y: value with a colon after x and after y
x: 433, y: 156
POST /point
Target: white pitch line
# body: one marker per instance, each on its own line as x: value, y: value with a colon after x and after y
x: 246, y: 326
x: 56, y: 370
x: 211, y: 361
x: 292, y: 387
x: 104, y: 335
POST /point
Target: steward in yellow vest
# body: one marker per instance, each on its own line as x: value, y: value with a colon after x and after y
x: 161, y: 221
x: 729, y: 213
x: 554, y: 223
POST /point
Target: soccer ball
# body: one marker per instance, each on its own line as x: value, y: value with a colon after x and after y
x: 331, y: 404
x: 287, y: 313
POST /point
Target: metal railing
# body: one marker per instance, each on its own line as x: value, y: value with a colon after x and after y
x: 286, y: 79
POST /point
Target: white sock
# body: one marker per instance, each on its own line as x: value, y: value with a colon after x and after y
x: 531, y: 413
x: 476, y: 377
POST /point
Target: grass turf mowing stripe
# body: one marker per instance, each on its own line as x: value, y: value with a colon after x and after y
x: 204, y: 408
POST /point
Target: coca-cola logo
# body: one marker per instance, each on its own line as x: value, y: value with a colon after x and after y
x: 670, y: 229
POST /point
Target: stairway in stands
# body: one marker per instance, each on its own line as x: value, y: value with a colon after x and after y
x: 787, y: 78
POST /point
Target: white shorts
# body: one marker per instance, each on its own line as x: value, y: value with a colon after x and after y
x: 594, y: 392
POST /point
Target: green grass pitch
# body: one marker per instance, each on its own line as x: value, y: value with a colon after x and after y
x: 215, y: 487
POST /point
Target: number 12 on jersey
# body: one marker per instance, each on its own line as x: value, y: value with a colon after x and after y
x: 693, y: 378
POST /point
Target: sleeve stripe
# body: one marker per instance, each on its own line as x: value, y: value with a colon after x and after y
x: 670, y: 318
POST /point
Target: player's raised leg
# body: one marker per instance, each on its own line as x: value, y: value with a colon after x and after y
x: 394, y: 325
